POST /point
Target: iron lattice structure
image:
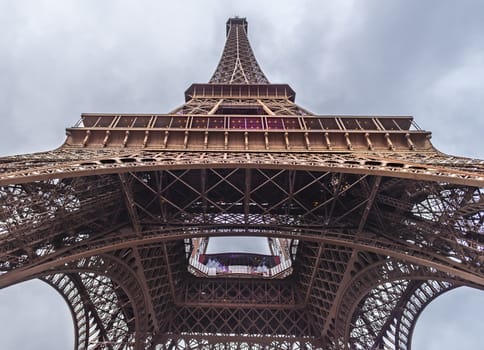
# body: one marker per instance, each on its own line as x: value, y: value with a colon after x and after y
x: 383, y: 222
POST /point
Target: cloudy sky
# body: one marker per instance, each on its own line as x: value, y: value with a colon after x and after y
x: 61, y: 58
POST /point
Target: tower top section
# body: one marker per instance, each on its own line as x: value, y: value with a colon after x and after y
x: 237, y: 21
x: 238, y: 64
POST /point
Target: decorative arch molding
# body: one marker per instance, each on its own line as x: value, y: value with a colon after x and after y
x: 106, y: 301
x: 380, y: 164
x: 404, y: 291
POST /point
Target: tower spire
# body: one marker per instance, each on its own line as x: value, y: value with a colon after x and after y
x: 238, y: 64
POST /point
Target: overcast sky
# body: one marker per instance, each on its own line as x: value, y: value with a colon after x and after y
x: 59, y: 59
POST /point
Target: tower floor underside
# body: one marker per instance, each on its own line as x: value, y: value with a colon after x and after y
x: 372, y: 252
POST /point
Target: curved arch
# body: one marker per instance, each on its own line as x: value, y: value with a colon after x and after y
x: 72, y: 296
x: 399, y: 282
x: 364, y: 242
x: 384, y: 164
x: 406, y: 340
x: 88, y: 285
x: 362, y: 283
x: 397, y: 329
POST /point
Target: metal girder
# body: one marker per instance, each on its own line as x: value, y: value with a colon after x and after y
x: 430, y: 167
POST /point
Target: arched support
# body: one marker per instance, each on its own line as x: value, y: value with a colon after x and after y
x: 399, y: 329
x: 364, y: 241
x: 382, y: 316
x: 106, y: 301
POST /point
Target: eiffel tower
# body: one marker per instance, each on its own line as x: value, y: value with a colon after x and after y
x: 364, y: 222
